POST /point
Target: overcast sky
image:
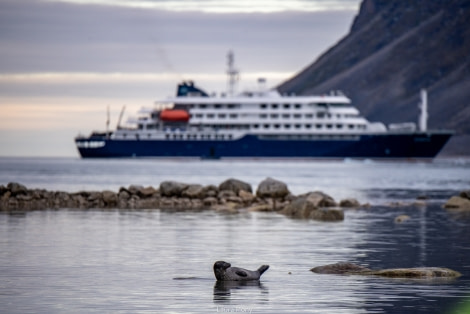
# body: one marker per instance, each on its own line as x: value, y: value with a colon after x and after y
x: 63, y: 62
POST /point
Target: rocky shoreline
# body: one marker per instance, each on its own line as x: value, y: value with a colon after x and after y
x: 230, y: 196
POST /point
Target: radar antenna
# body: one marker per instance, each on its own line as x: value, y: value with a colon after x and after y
x: 232, y: 73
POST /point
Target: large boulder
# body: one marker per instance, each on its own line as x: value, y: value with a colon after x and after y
x: 272, y: 188
x: 110, y: 198
x: 235, y: 186
x: 313, y: 205
x: 16, y: 188
x: 194, y: 191
x: 172, y: 188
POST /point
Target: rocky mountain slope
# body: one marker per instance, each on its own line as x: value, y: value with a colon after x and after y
x: 394, y: 49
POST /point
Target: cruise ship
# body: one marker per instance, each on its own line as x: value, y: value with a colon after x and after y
x: 261, y: 124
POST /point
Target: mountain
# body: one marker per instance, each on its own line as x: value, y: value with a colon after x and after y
x: 394, y: 49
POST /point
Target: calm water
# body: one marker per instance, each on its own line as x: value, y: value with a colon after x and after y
x: 158, y: 261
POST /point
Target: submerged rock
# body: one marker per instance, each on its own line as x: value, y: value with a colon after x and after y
x: 418, y: 272
x: 349, y: 203
x: 402, y: 218
x: 339, y: 268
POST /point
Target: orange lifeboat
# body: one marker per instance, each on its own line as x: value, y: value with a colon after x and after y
x: 174, y: 115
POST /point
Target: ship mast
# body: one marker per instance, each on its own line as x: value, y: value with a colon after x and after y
x: 423, y: 105
x: 232, y: 74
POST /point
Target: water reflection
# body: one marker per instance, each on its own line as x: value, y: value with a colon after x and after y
x: 223, y: 290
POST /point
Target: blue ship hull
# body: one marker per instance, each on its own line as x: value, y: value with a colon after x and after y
x: 417, y: 145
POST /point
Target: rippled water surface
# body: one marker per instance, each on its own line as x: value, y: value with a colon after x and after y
x: 65, y: 261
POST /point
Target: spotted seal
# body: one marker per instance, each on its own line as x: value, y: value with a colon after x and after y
x: 225, y: 272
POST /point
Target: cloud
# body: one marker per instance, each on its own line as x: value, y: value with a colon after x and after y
x: 63, y: 62
x: 55, y: 37
x: 228, y: 6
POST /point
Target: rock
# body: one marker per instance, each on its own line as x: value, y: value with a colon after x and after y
x: 458, y: 202
x: 210, y: 191
x: 419, y: 272
x: 194, y: 191
x: 312, y: 206
x: 172, y: 188
x: 225, y: 194
x: 327, y: 214
x: 465, y: 194
x: 133, y: 189
x: 246, y: 197
x: 402, y: 218
x: 146, y: 192
x: 16, y: 188
x: 339, y: 268
x: 235, y: 186
x: 320, y: 199
x: 272, y: 188
x: 349, y: 203
x: 124, y: 195
x: 209, y: 201
x: 110, y: 198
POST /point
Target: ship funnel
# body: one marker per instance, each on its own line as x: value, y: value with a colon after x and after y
x: 423, y: 105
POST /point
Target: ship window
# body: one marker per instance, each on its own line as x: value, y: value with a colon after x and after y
x: 199, y: 115
x: 255, y: 126
x: 274, y: 106
x: 274, y: 115
x: 351, y: 126
x: 297, y: 126
x: 263, y: 116
x: 233, y: 115
x: 217, y: 106
x: 309, y: 115
x: 339, y: 126
x: 308, y: 126
x: 149, y: 135
x: 231, y: 106
x: 230, y: 136
x: 263, y: 106
x: 222, y: 115
x: 277, y: 126
x: 318, y: 126
x: 124, y: 135
x: 287, y: 116
x: 266, y: 126
x: 210, y: 116
x: 287, y: 126
x: 297, y: 106
x: 202, y: 106
x: 286, y: 106
x: 320, y: 115
x: 329, y: 126
x: 297, y: 116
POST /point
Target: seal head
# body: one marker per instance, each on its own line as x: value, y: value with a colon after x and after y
x: 225, y: 272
